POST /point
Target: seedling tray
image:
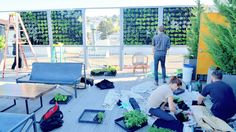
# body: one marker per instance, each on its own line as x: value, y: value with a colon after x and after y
x: 89, y: 115
x: 69, y: 97
x: 120, y: 122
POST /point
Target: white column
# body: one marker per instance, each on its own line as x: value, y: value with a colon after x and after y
x: 50, y: 35
x: 84, y: 38
x: 160, y: 16
x: 121, y: 40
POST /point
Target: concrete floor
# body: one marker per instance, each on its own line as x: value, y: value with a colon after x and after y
x: 90, y: 98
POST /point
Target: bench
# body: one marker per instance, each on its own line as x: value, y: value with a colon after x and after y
x: 12, y: 122
x: 55, y: 73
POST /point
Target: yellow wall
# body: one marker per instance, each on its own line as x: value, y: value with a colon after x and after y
x: 204, y: 59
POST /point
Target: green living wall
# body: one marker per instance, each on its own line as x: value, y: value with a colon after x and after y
x: 66, y: 27
x: 36, y: 26
x: 176, y: 22
x: 139, y: 25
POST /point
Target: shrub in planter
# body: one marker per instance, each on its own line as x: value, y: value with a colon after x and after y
x: 221, y: 40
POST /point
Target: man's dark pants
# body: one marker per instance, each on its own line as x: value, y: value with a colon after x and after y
x: 162, y: 59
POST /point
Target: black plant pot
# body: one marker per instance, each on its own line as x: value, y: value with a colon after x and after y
x: 120, y: 122
x: 110, y: 73
x: 100, y: 73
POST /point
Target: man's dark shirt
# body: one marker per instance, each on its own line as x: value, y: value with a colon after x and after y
x: 223, y: 99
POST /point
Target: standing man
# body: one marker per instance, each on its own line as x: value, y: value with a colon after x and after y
x: 161, y: 43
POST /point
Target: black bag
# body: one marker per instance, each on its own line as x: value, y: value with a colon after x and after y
x: 105, y: 84
x: 89, y: 80
x: 52, y: 119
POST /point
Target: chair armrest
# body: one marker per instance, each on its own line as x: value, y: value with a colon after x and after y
x: 22, y: 77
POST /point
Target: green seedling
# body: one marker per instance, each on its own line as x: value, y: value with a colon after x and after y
x: 155, y: 129
x: 134, y: 118
x: 60, y: 97
x: 100, y: 116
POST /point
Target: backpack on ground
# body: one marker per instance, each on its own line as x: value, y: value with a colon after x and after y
x: 52, y: 119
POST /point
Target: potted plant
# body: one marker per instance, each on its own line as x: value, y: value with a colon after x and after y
x: 99, y: 117
x: 132, y: 120
x: 2, y: 46
x: 221, y: 41
x: 192, y: 39
x: 155, y: 129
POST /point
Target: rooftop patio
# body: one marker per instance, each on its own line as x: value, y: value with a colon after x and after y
x: 73, y: 31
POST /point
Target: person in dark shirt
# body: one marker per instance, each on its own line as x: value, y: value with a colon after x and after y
x: 14, y: 53
x: 222, y: 97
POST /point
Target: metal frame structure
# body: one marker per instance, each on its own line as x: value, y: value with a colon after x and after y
x: 121, y: 46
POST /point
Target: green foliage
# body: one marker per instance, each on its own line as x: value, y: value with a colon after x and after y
x: 176, y: 22
x: 138, y: 23
x: 66, y: 27
x: 106, y: 28
x: 60, y: 97
x: 36, y: 26
x: 221, y: 41
x: 192, y: 39
x: 155, y: 129
x: 2, y: 42
x: 100, y: 116
x: 134, y: 118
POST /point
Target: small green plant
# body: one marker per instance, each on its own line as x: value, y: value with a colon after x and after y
x: 155, y: 129
x: 2, y: 42
x: 60, y: 97
x: 100, y: 116
x: 134, y: 118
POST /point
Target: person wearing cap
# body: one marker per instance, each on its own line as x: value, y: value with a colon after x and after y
x: 161, y: 43
x: 222, y: 97
x: 162, y: 95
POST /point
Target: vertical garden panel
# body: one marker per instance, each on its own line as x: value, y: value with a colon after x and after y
x: 67, y: 27
x: 139, y: 25
x: 36, y: 26
x: 176, y: 21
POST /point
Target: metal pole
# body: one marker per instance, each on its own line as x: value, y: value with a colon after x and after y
x: 160, y: 16
x: 121, y: 41
x: 84, y: 38
x: 50, y: 35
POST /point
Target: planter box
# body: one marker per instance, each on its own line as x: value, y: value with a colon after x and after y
x: 69, y: 97
x: 193, y: 62
x: 231, y: 80
x: 112, y: 73
x: 89, y: 116
x: 120, y: 122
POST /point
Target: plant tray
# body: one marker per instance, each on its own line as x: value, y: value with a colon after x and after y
x: 69, y: 97
x: 89, y: 115
x: 194, y: 102
x: 120, y: 122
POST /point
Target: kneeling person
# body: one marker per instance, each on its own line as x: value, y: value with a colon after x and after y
x: 222, y: 97
x: 162, y: 95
